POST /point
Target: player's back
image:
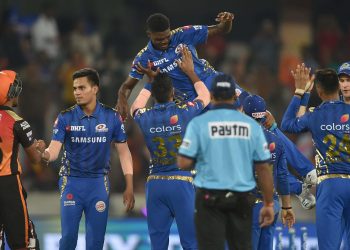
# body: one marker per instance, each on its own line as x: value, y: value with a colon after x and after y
x: 163, y: 127
x: 12, y: 128
x: 330, y: 127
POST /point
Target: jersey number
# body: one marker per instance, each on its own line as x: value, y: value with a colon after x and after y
x: 334, y: 150
x: 1, y: 155
x: 162, y: 151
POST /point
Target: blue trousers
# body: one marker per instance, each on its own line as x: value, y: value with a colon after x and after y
x: 262, y: 237
x: 166, y: 200
x: 88, y: 195
x: 332, y: 212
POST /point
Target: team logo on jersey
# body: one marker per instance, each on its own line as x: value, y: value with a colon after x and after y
x: 100, y: 206
x: 179, y: 47
x: 101, y: 128
x: 69, y: 196
x: 174, y: 119
x: 344, y: 118
x: 25, y: 125
x: 272, y: 147
x: 69, y: 201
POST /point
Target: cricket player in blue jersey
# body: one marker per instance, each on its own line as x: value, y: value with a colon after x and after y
x: 255, y: 107
x: 169, y: 190
x: 163, y: 52
x: 87, y: 131
x: 330, y: 128
x: 224, y: 144
x: 344, y: 81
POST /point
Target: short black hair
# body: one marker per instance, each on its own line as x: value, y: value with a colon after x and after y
x: 157, y: 22
x: 91, y: 74
x: 162, y: 88
x: 328, y: 80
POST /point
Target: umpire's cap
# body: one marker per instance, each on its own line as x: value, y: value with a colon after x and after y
x: 10, y: 85
x: 255, y: 106
x: 223, y: 87
x: 344, y: 69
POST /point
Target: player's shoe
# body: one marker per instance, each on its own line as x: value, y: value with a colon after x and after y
x: 311, y: 177
x: 307, y: 199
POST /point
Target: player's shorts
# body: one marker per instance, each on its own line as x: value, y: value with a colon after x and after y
x: 13, y: 211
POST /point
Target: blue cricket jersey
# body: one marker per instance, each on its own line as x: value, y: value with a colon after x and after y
x: 279, y: 165
x: 330, y: 128
x: 189, y: 36
x: 163, y: 127
x: 294, y: 158
x: 225, y: 144
x: 87, y: 140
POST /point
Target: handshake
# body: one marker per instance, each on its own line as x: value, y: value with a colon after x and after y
x: 40, y: 147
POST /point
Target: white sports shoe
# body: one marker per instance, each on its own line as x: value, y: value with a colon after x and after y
x: 307, y: 199
x: 311, y: 177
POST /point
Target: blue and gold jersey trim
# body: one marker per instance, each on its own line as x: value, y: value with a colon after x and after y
x: 170, y: 178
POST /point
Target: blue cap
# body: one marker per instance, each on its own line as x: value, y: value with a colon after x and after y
x: 255, y: 106
x: 223, y: 86
x: 344, y: 69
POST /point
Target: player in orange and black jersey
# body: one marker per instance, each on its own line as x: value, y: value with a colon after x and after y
x: 19, y: 230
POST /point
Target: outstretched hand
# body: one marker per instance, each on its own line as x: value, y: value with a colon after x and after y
x: 302, y: 77
x: 186, y: 62
x: 147, y: 71
x: 224, y: 17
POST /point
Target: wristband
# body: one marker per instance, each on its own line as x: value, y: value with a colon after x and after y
x: 299, y: 92
x: 286, y: 208
x: 305, y: 99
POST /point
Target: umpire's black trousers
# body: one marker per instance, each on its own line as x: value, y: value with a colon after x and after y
x: 222, y: 215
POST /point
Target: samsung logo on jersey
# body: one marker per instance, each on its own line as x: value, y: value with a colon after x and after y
x: 175, y: 128
x: 99, y: 139
x: 335, y: 127
x: 218, y: 130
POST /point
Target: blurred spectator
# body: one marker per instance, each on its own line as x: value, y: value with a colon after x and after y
x: 266, y: 46
x: 85, y: 40
x: 45, y: 34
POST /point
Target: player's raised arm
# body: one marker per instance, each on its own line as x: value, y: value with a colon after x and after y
x: 186, y: 65
x: 224, y: 25
x: 123, y: 95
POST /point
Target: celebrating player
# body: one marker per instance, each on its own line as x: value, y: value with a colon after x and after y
x: 329, y: 125
x: 163, y: 51
x: 169, y: 190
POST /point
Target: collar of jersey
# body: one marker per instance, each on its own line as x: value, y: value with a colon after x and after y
x: 163, y: 105
x: 5, y: 108
x: 82, y: 115
x: 156, y: 51
x: 331, y: 102
x: 223, y: 106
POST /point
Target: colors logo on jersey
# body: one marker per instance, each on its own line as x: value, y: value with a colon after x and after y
x: 100, y: 206
x: 344, y: 118
x: 345, y: 126
x: 174, y: 119
x: 179, y: 47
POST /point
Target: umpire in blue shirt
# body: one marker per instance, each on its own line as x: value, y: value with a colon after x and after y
x: 224, y: 145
